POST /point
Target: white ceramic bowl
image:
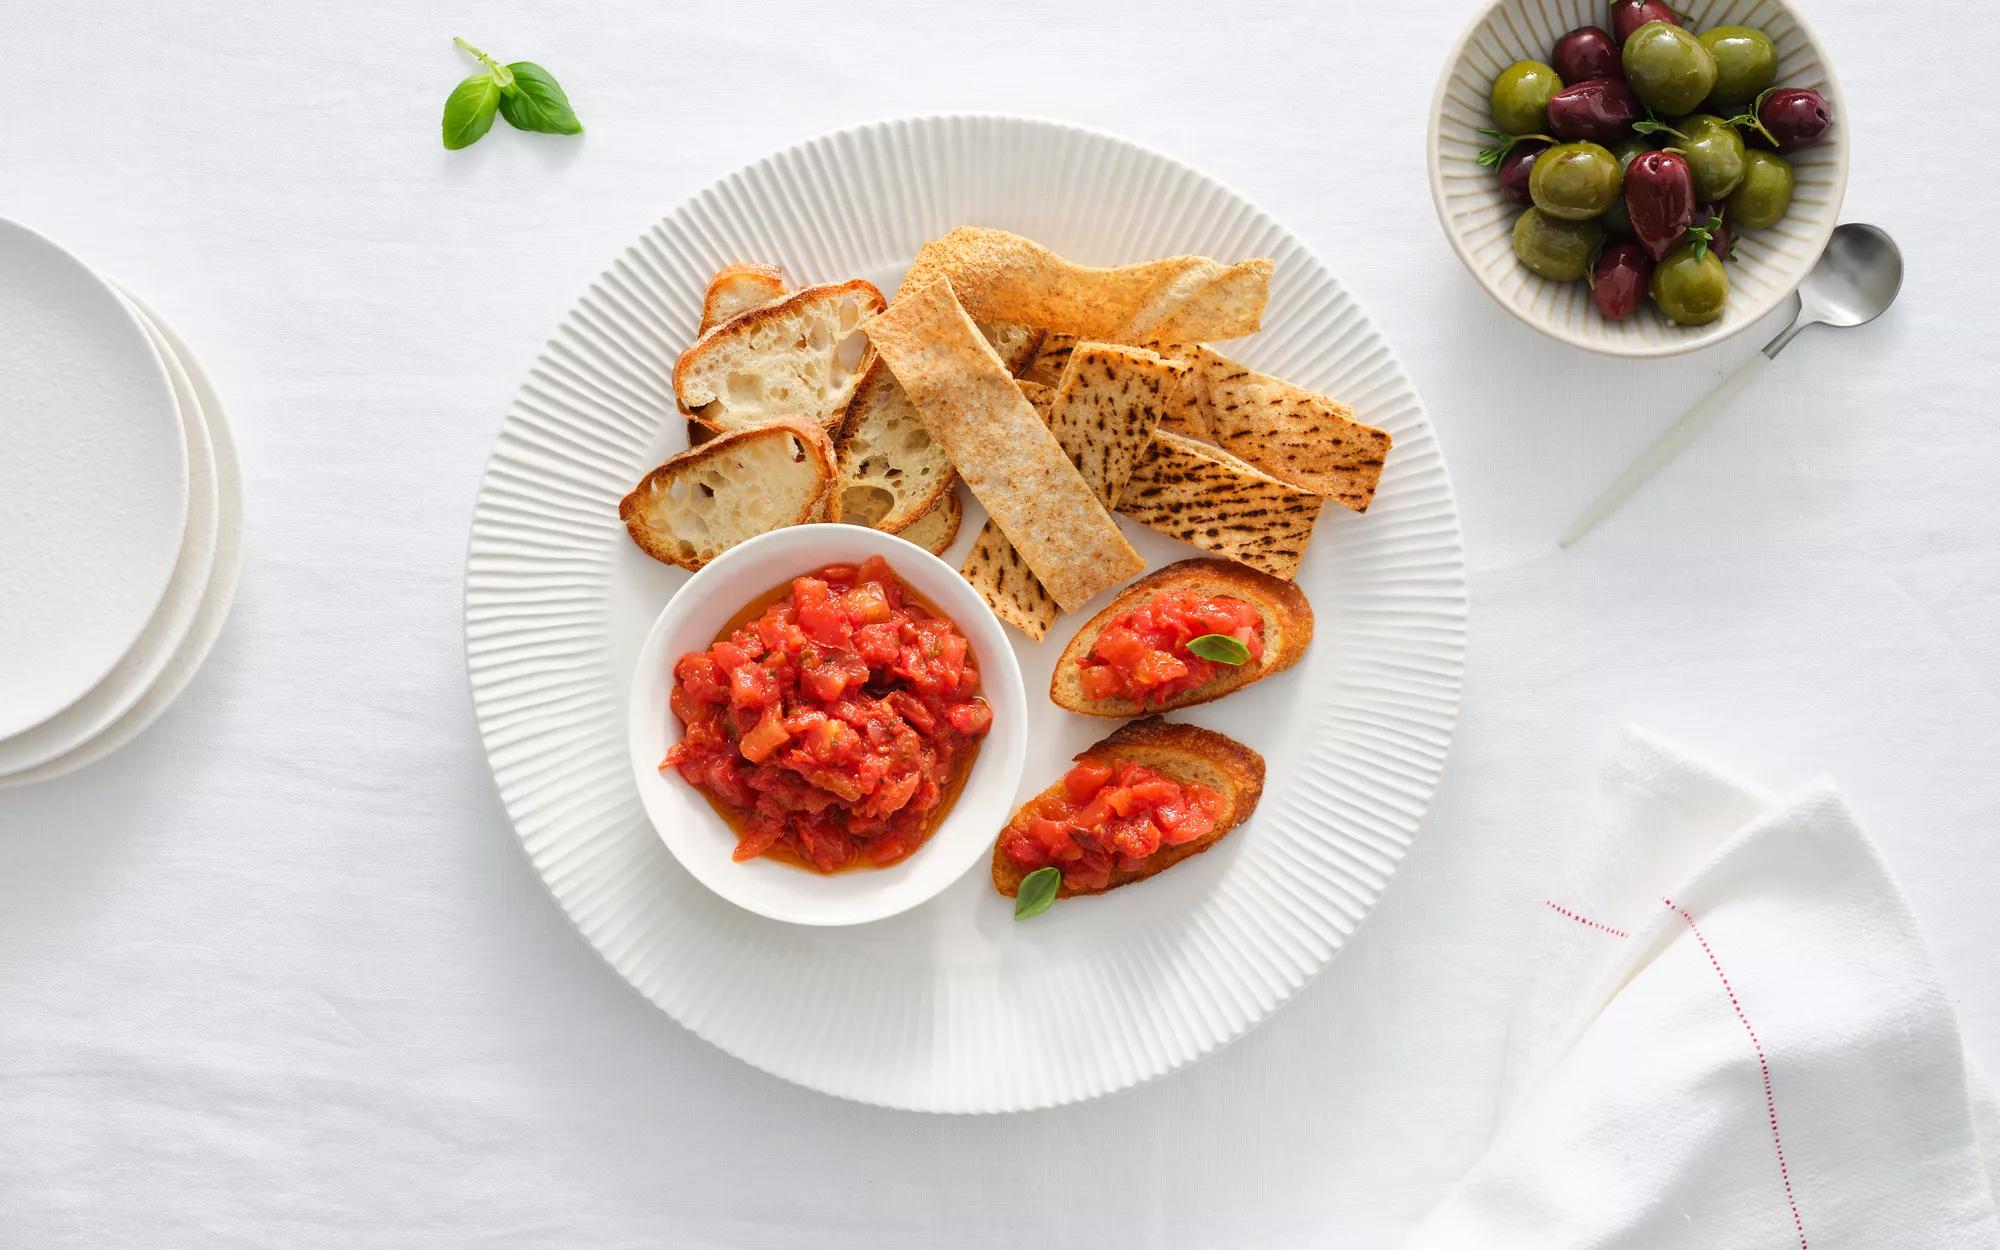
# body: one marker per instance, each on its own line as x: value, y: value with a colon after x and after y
x: 699, y: 838
x: 1480, y: 222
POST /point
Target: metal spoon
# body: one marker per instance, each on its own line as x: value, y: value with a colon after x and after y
x: 1854, y: 282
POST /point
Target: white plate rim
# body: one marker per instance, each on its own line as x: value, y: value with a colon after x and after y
x: 506, y: 726
x: 153, y: 589
x: 218, y: 595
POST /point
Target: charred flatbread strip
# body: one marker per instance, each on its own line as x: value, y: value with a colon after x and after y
x: 1287, y: 431
x: 1210, y: 499
x: 1003, y: 277
x: 1103, y: 415
x: 974, y: 410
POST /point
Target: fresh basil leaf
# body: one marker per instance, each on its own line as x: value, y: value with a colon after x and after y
x: 468, y: 111
x: 1036, y: 892
x: 1220, y: 648
x: 538, y: 102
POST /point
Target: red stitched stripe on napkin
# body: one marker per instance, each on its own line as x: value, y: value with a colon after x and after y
x: 1770, y: 1099
x: 1585, y: 921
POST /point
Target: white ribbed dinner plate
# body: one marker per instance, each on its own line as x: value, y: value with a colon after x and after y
x: 954, y: 1006
x: 1479, y: 221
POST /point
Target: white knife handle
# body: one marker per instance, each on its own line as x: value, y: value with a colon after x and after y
x: 1691, y: 426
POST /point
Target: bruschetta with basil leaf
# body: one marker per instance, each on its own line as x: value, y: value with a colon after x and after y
x: 1186, y: 634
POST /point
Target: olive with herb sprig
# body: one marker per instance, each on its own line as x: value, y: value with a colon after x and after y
x: 1690, y: 286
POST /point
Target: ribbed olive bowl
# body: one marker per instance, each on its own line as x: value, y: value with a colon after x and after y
x: 1479, y: 221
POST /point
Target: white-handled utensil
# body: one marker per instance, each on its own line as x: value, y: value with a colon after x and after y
x: 1854, y: 282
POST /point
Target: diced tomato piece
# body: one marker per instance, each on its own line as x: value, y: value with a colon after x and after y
x: 1085, y: 778
x: 1135, y: 835
x: 1155, y: 791
x: 1095, y: 814
x: 971, y: 718
x: 1100, y: 681
x: 769, y: 734
x: 1157, y: 668
x: 755, y: 840
x: 866, y: 604
x: 1120, y: 645
x: 1024, y: 851
x: 877, y: 645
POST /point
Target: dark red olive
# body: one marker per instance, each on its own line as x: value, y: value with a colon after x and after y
x: 1629, y: 15
x: 1619, y: 283
x: 1586, y: 53
x: 1659, y: 198
x: 1598, y: 110
x: 1723, y: 237
x: 1514, y: 168
x: 1796, y: 117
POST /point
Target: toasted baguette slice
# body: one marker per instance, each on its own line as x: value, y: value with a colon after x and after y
x: 736, y: 289
x: 1186, y: 753
x: 1288, y: 628
x: 1210, y: 499
x: 935, y: 530
x: 801, y: 356
x: 736, y: 486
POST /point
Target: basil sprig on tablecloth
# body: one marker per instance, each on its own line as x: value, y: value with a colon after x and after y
x: 524, y: 93
x: 1036, y: 891
x: 1221, y: 648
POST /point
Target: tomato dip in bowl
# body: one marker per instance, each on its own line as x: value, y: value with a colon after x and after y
x: 827, y: 726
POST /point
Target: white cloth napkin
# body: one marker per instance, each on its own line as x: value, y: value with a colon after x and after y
x: 1733, y: 1037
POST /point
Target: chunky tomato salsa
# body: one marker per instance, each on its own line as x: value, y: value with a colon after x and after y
x: 1107, y: 815
x: 1143, y: 655
x: 833, y: 721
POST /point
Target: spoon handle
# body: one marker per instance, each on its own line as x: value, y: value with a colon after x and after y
x: 1689, y: 427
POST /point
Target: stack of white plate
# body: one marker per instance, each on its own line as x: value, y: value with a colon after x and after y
x: 121, y: 512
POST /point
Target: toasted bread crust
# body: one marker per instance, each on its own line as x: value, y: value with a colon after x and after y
x: 736, y: 289
x: 632, y: 509
x: 1288, y: 629
x: 1183, y: 752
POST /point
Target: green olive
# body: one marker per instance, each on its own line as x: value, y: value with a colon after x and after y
x: 1556, y: 249
x: 1746, y: 62
x: 1765, y: 194
x: 1615, y: 218
x: 1691, y: 289
x: 1668, y: 68
x: 1520, y: 97
x: 1575, y: 181
x: 1715, y: 154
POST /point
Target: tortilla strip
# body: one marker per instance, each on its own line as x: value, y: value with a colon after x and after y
x: 1289, y: 432
x: 1210, y: 499
x: 977, y: 414
x: 1003, y: 277
x: 1104, y: 414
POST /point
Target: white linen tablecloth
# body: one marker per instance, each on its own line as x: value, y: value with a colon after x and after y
x: 279, y: 975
